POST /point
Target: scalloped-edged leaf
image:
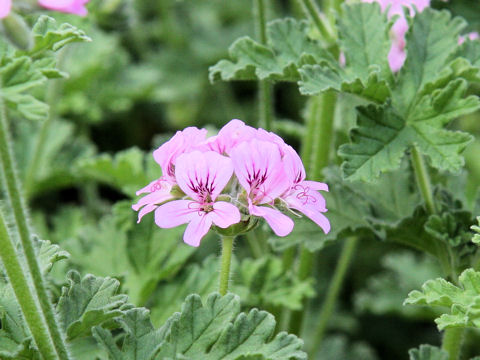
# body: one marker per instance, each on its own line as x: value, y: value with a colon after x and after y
x: 317, y: 78
x: 127, y: 171
x: 364, y: 40
x: 212, y: 330
x: 141, y: 340
x: 463, y: 301
x: 427, y: 352
x: 288, y: 48
x: 431, y: 38
x: 48, y: 254
x: 89, y: 302
x: 470, y: 50
x: 50, y: 36
x: 476, y: 237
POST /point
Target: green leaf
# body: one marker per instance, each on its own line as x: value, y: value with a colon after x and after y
x: 125, y: 172
x: 49, y: 36
x: 428, y: 352
x: 476, y: 237
x: 463, y: 301
x: 429, y: 93
x: 214, y: 330
x: 431, y: 38
x: 48, y: 254
x: 141, y: 341
x: 364, y: 40
x: 89, y: 302
x: 338, y: 347
x: 288, y: 48
x: 266, y: 283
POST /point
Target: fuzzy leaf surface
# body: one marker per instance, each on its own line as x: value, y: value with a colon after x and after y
x: 428, y: 352
x: 462, y: 301
x: 89, y: 302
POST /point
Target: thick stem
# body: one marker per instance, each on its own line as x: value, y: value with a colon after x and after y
x: 227, y: 249
x: 423, y: 180
x: 311, y: 10
x: 18, y: 281
x: 16, y: 201
x: 333, y: 290
x: 265, y: 88
x: 452, y: 342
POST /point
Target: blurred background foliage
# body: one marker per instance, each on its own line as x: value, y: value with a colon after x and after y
x: 144, y: 76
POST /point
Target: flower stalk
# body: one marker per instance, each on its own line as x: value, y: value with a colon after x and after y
x: 227, y: 249
x: 264, y: 86
x: 23, y: 293
x: 452, y: 342
x: 16, y: 201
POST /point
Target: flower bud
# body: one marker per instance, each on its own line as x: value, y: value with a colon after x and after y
x: 245, y: 225
x: 17, y: 31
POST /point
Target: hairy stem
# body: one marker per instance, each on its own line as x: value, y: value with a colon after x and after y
x: 227, y: 249
x: 452, y: 342
x: 423, y: 180
x: 18, y: 281
x: 265, y: 88
x: 16, y: 201
x: 311, y: 10
x: 333, y: 290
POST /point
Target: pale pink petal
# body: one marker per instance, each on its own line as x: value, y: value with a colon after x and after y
x: 318, y: 218
x: 5, y: 7
x: 198, y: 173
x: 293, y: 165
x: 145, y: 210
x: 315, y: 185
x: 396, y: 57
x: 255, y: 157
x: 175, y: 213
x: 182, y: 142
x: 67, y: 6
x: 302, y: 196
x: 156, y: 197
x: 161, y: 184
x: 224, y: 214
x: 472, y: 36
x: 281, y: 224
x: 230, y: 135
x: 197, y: 229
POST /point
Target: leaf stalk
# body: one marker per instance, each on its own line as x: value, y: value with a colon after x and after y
x: 20, y: 214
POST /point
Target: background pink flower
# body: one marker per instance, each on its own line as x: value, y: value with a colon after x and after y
x: 67, y: 6
x: 5, y: 6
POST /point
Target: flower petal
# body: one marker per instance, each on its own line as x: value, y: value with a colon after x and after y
x: 224, y: 214
x: 315, y: 185
x: 317, y: 217
x: 197, y: 229
x: 203, y: 170
x: 175, y: 213
x: 5, y: 7
x: 281, y: 224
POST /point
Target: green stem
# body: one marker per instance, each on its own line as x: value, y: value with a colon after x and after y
x: 311, y: 10
x: 452, y: 342
x: 423, y: 180
x: 15, y: 199
x: 265, y: 100
x: 333, y: 290
x: 227, y: 249
x: 25, y: 298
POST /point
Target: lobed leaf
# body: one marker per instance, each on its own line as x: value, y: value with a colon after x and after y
x: 428, y: 352
x: 463, y: 301
x: 476, y: 237
x: 89, y: 302
x: 288, y: 48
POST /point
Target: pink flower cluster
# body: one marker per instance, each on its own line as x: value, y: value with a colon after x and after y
x: 240, y: 173
x: 67, y: 6
x: 397, y: 54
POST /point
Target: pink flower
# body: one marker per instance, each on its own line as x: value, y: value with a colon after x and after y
x: 5, y: 6
x: 303, y: 195
x: 158, y: 192
x: 229, y: 136
x: 202, y: 176
x: 67, y: 6
x: 182, y: 142
x: 259, y: 169
x: 396, y: 56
